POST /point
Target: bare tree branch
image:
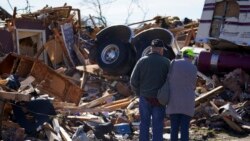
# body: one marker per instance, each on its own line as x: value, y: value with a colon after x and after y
x: 144, y: 11
x: 131, y: 10
x: 97, y: 7
x: 10, y: 5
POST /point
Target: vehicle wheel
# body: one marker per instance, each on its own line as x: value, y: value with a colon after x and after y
x: 169, y: 53
x: 113, y: 57
x: 146, y: 50
x: 142, y: 49
x: 132, y: 59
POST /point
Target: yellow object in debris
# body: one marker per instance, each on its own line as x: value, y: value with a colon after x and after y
x: 3, y: 82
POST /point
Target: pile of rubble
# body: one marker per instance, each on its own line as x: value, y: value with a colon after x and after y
x: 47, y: 104
x: 55, y: 90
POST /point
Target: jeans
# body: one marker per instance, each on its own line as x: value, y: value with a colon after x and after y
x: 157, y: 113
x: 179, y: 122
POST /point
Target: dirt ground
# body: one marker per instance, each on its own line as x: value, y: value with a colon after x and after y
x: 204, y: 134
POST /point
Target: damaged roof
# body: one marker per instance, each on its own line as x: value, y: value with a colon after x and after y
x: 4, y: 14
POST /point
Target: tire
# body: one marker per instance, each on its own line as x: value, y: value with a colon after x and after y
x: 114, y: 56
x: 169, y: 53
x: 132, y: 60
x: 142, y: 48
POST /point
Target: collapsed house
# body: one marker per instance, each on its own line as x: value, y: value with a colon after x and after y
x: 66, y: 83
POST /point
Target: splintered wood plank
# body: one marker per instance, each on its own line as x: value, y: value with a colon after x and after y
x: 26, y: 82
x: 56, y: 84
x: 56, y: 125
x: 49, y: 80
x: 98, y: 101
x: 54, y: 51
x: 128, y: 99
x: 79, y: 54
x: 231, y: 124
x: 65, y: 135
x: 60, y: 105
x: 24, y: 67
x: 93, y: 69
x: 118, y: 106
x: 205, y: 97
x: 50, y: 133
x: 14, y: 96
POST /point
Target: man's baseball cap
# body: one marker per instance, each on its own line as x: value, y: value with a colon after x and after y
x: 157, y: 43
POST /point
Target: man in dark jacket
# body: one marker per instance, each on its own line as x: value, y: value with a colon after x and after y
x: 148, y: 76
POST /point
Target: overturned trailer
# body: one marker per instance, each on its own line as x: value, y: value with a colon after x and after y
x: 118, y: 49
x: 225, y: 26
x: 227, y: 20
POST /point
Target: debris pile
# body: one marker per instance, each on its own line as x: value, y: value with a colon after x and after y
x: 73, y: 84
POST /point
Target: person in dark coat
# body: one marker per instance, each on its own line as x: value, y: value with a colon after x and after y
x: 148, y: 75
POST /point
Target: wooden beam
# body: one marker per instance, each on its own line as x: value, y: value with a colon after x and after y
x: 65, y: 135
x: 232, y: 124
x: 82, y: 118
x: 93, y: 69
x: 15, y: 96
x: 98, y: 101
x: 79, y: 55
x: 62, y: 45
x: 50, y: 133
x: 118, y: 106
x: 56, y: 125
x: 40, y: 51
x: 79, y: 110
x: 205, y: 97
x: 118, y: 101
x: 26, y: 82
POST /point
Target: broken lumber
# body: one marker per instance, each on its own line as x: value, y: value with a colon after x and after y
x: 79, y: 55
x: 118, y: 106
x: 83, y: 79
x: 26, y: 82
x: 122, y: 88
x: 56, y: 125
x: 93, y: 69
x: 63, y: 47
x: 79, y: 110
x: 15, y: 96
x: 205, y: 97
x: 82, y: 118
x: 207, y: 79
x: 65, y: 135
x: 128, y: 99
x: 50, y: 133
x: 98, y: 101
x: 47, y: 79
x: 61, y: 105
x: 232, y: 124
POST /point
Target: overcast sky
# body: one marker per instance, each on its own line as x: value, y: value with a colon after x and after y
x: 117, y: 12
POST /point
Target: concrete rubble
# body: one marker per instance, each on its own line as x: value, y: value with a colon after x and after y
x: 54, y: 86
